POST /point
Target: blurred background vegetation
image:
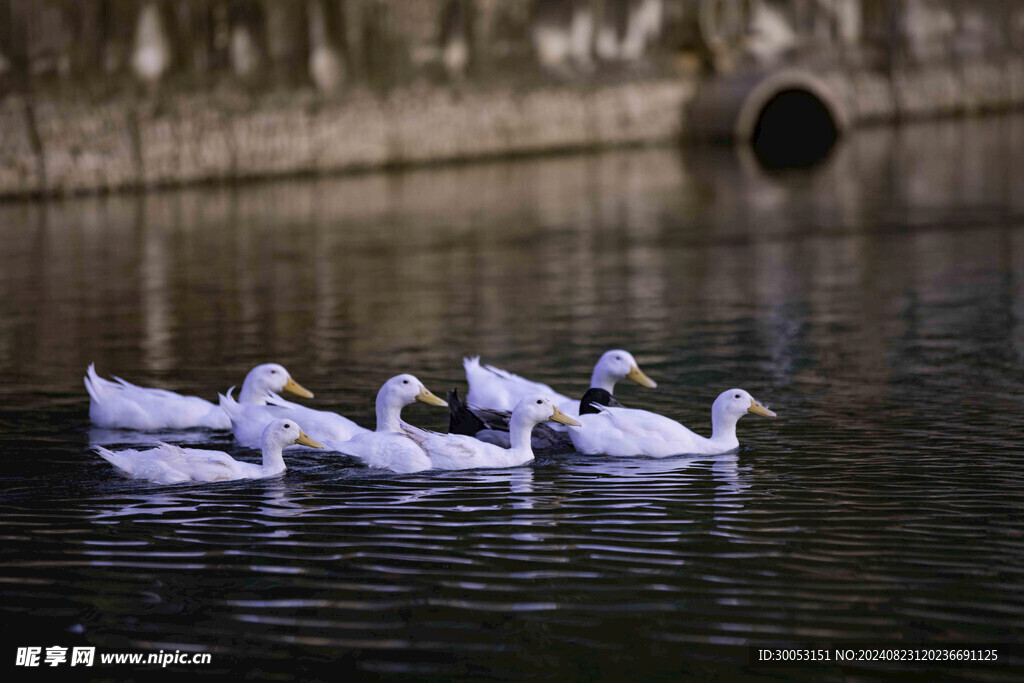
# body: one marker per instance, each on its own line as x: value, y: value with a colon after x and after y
x: 331, y: 44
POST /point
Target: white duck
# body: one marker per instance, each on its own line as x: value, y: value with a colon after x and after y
x: 494, y: 389
x: 123, y: 405
x: 389, y: 447
x: 493, y: 427
x: 461, y: 452
x: 249, y: 418
x: 624, y: 431
x: 167, y: 464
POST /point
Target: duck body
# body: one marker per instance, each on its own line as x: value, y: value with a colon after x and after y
x: 493, y: 426
x: 123, y: 405
x: 392, y: 451
x: 168, y: 464
x: 463, y: 452
x: 627, y: 431
x: 389, y: 446
x: 624, y: 431
x: 248, y: 420
x: 493, y: 393
x: 494, y: 389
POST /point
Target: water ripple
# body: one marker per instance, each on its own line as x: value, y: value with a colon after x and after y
x: 879, y: 314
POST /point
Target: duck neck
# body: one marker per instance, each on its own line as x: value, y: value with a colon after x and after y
x: 389, y: 412
x: 251, y: 393
x: 273, y: 456
x: 520, y: 432
x: 723, y: 429
x: 602, y: 379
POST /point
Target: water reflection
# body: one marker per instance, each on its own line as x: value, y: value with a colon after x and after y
x: 108, y: 437
x: 368, y: 272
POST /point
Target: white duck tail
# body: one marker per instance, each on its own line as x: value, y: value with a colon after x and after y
x: 230, y: 406
x: 472, y: 367
x: 98, y: 387
x: 109, y: 405
x: 153, y: 469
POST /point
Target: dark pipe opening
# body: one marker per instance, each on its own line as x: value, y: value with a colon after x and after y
x: 795, y: 130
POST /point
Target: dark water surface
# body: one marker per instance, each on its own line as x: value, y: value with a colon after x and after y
x: 877, y: 303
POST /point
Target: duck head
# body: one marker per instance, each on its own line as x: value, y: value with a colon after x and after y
x: 407, y: 389
x: 733, y: 404
x: 528, y: 413
x: 537, y: 409
x: 282, y: 433
x: 271, y: 378
x: 617, y: 365
x: 599, y: 397
x: 398, y: 392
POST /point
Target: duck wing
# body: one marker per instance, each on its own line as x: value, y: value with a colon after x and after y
x: 496, y: 389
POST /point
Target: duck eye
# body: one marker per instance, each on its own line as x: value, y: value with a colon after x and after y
x: 737, y: 396
x: 405, y: 381
x: 287, y: 426
x: 539, y: 401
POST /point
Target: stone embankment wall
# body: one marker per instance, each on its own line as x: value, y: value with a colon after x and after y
x: 52, y: 146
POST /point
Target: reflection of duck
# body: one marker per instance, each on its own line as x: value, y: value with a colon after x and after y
x: 278, y: 500
x: 520, y: 486
x: 624, y: 431
x: 123, y: 405
x: 167, y: 464
x: 389, y: 446
x: 461, y: 452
